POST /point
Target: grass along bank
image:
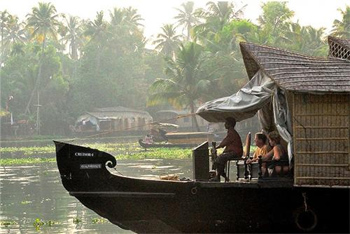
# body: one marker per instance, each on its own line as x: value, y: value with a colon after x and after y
x: 122, y: 151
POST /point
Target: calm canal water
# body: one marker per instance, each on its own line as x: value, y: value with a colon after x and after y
x: 33, y: 200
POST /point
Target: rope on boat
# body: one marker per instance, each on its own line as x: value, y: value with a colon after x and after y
x: 166, y: 176
x: 305, y: 203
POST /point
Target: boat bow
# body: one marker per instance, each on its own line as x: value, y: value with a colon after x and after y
x: 77, y: 163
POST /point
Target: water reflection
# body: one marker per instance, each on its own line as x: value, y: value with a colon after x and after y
x: 34, y: 195
x: 152, y: 169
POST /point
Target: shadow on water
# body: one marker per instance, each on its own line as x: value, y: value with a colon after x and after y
x: 33, y: 199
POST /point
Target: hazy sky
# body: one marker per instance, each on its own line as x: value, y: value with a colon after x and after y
x: 317, y: 13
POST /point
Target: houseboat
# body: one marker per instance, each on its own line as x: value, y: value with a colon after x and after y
x: 112, y: 120
x: 305, y: 99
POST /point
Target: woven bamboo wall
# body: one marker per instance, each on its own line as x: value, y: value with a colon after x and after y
x: 321, y: 126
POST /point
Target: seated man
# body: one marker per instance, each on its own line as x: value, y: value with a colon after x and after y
x: 262, y: 147
x: 233, y: 149
x: 162, y: 133
x: 158, y: 134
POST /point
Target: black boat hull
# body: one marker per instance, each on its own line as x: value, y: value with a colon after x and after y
x: 190, y: 206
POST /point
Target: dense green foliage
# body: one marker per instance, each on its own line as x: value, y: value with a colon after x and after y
x: 73, y: 65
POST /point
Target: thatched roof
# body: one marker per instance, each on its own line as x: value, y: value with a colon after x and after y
x: 118, y: 113
x: 173, y: 112
x: 120, y: 109
x: 297, y: 72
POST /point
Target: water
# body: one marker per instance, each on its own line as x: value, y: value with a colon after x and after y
x: 33, y: 200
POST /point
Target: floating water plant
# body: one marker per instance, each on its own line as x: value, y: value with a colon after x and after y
x: 7, y: 223
x: 26, y: 202
x: 51, y: 223
x: 38, y: 223
x: 99, y: 220
x: 77, y: 220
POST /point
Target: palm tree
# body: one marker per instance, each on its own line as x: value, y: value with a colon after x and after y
x: 342, y: 28
x: 117, y: 16
x: 317, y: 46
x: 5, y: 18
x: 306, y: 40
x: 168, y: 41
x: 222, y: 10
x: 98, y: 31
x: 187, y: 17
x: 125, y: 19
x: 17, y: 49
x: 274, y: 22
x: 217, y: 16
x: 16, y: 32
x: 73, y: 36
x: 132, y: 18
x: 219, y: 33
x: 42, y: 22
x: 185, y: 80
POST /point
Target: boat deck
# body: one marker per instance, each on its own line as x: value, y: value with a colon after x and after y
x: 278, y: 182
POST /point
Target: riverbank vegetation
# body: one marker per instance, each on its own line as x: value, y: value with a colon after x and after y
x: 25, y: 161
x: 122, y: 151
x: 66, y: 66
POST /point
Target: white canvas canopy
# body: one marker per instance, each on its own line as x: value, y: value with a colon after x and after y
x: 242, y: 105
x: 260, y: 94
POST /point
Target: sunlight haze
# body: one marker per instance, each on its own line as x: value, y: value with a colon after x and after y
x: 158, y: 12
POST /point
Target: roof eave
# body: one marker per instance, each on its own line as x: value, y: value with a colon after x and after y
x: 254, y: 66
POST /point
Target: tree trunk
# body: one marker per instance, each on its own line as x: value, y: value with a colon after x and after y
x: 2, y: 57
x: 188, y: 33
x: 74, y: 50
x: 27, y: 110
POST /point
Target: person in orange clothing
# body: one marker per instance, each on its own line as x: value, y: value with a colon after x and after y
x: 262, y: 147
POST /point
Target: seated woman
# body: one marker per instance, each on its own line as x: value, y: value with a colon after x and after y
x: 262, y: 147
x: 278, y: 155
